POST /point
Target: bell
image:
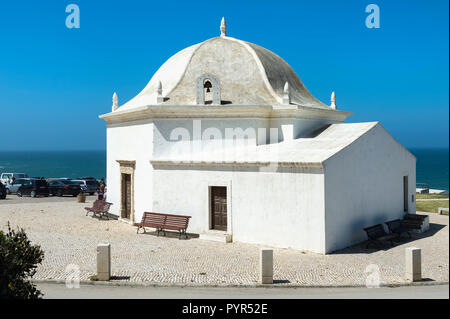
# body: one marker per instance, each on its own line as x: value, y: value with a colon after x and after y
x: 208, y: 90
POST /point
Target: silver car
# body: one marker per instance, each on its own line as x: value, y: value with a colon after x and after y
x: 87, y: 186
x: 14, y: 186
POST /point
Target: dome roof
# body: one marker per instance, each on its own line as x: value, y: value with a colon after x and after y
x: 247, y: 75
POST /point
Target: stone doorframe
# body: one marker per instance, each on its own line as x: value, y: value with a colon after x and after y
x: 208, y: 219
x: 127, y: 167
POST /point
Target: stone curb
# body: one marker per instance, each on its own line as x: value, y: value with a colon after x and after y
x: 181, y: 285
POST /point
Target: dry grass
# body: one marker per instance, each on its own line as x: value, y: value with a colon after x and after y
x: 431, y: 196
x: 431, y: 205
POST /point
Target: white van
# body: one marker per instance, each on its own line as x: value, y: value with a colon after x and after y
x: 9, y: 176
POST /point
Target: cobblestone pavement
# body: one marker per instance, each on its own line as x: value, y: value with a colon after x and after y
x: 69, y: 237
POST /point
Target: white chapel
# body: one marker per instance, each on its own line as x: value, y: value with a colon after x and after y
x: 226, y: 132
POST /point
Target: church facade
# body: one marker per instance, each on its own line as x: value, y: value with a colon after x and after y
x: 227, y: 133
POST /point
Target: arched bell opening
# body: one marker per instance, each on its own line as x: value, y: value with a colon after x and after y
x: 208, y: 90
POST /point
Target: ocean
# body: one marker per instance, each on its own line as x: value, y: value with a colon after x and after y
x: 50, y: 164
x: 432, y: 167
x: 432, y: 164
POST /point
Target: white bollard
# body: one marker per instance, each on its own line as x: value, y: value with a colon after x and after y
x: 413, y: 264
x: 266, y: 266
x: 103, y: 261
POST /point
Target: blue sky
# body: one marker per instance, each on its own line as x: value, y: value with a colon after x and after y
x: 55, y: 81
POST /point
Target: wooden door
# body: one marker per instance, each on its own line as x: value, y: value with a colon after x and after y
x: 126, y: 196
x: 219, y: 208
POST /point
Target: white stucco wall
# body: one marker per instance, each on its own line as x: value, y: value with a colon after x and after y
x: 212, y: 134
x: 292, y: 128
x: 130, y: 141
x: 364, y: 187
x: 302, y: 208
x: 283, y: 209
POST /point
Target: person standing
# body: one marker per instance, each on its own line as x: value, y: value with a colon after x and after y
x: 101, y: 192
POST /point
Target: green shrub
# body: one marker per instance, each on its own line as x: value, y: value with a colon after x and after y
x: 18, y: 262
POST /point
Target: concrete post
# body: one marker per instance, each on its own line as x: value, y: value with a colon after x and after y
x: 266, y: 266
x: 413, y: 264
x: 103, y: 261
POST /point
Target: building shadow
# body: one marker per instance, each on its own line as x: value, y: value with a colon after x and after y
x: 404, y: 239
x: 113, y: 217
x: 105, y: 218
x: 119, y: 278
x: 170, y: 235
x: 281, y: 281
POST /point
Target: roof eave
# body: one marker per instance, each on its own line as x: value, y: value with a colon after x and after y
x: 268, y: 164
x: 178, y: 111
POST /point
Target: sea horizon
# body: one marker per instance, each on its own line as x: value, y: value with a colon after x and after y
x: 431, y: 167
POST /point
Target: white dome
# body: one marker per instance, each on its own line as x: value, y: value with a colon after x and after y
x: 248, y: 75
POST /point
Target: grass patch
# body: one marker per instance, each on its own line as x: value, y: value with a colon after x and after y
x: 431, y: 205
x: 431, y: 196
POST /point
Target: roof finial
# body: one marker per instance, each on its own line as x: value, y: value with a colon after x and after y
x: 159, y: 97
x: 286, y: 95
x: 333, y: 101
x: 223, y: 28
x: 115, y: 101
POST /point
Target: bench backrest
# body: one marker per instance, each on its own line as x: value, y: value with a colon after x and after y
x: 415, y: 217
x: 105, y: 206
x: 97, y: 205
x: 394, y: 224
x: 375, y: 231
x: 101, y: 206
x: 153, y: 219
x: 177, y: 221
x: 165, y: 219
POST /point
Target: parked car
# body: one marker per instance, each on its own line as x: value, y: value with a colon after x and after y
x: 13, y: 187
x: 63, y: 187
x: 87, y: 186
x: 56, y: 179
x: 2, y: 191
x: 87, y: 178
x: 5, y: 176
x: 97, y: 183
x: 33, y: 187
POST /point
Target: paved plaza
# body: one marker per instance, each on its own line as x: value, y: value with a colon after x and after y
x: 68, y: 237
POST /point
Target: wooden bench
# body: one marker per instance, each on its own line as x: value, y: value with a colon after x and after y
x: 164, y: 222
x: 414, y: 221
x: 99, y: 208
x: 377, y: 235
x: 398, y: 227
